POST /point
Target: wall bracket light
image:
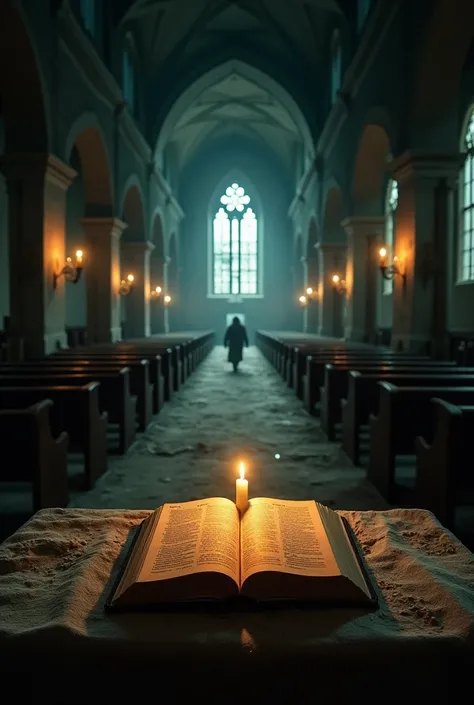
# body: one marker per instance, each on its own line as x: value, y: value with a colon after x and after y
x: 156, y: 293
x: 339, y: 284
x: 71, y: 271
x: 126, y: 285
x: 390, y: 271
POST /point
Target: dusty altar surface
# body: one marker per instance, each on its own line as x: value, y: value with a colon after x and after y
x: 56, y: 571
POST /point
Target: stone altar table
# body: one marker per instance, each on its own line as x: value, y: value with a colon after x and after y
x: 57, y: 645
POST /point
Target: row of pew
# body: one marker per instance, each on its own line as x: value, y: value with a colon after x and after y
x: 88, y: 402
x: 408, y: 418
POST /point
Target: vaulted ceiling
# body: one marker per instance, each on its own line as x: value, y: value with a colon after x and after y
x: 168, y: 26
x: 171, y: 35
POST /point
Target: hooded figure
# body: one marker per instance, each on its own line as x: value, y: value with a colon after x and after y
x: 235, y: 339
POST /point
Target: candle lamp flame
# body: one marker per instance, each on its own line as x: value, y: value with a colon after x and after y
x: 242, y: 471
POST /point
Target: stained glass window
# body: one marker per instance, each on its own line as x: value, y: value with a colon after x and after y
x: 336, y: 66
x: 87, y: 10
x: 467, y: 206
x: 390, y: 208
x: 235, y: 246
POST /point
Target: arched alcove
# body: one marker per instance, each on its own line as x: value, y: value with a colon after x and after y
x: 86, y: 136
x: 437, y: 78
x: 25, y: 101
x: 89, y: 196
x: 133, y: 212
x: 370, y: 171
x: 333, y: 215
x: 372, y: 195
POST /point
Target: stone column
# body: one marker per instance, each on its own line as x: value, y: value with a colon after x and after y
x: 312, y: 266
x: 103, y: 274
x: 423, y: 229
x: 135, y: 258
x: 332, y: 304
x: 363, y: 235
x: 157, y: 309
x: 36, y: 185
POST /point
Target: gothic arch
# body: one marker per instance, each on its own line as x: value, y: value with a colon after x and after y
x: 370, y: 171
x: 437, y: 79
x: 86, y: 136
x: 25, y: 101
x: 218, y: 73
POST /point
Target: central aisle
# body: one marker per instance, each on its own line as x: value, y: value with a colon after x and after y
x: 192, y: 448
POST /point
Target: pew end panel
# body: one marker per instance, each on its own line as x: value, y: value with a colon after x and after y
x: 436, y: 463
x: 32, y: 454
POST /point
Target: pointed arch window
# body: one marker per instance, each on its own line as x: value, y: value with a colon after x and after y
x: 87, y: 12
x: 363, y: 9
x: 128, y: 78
x: 391, y: 205
x: 336, y: 65
x: 235, y: 246
x: 466, y: 220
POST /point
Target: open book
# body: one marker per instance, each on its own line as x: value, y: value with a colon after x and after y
x: 278, y: 550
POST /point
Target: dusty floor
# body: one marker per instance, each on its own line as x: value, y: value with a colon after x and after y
x: 192, y: 448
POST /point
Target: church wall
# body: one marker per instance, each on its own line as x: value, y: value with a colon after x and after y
x: 276, y: 310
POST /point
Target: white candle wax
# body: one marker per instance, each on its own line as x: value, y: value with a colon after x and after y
x: 241, y: 491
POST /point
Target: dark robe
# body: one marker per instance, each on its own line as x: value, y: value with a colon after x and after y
x: 235, y: 338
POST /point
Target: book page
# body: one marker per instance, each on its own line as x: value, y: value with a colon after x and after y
x: 194, y: 537
x: 285, y: 536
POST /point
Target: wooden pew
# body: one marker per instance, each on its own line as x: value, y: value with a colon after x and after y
x: 31, y: 454
x: 140, y: 386
x: 146, y: 353
x: 76, y: 411
x: 444, y: 467
x: 336, y: 382
x: 314, y: 377
x: 404, y: 413
x: 156, y: 379
x: 363, y: 394
x: 114, y: 395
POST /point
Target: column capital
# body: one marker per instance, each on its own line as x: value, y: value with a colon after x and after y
x: 100, y: 227
x: 138, y: 245
x: 33, y: 165
x: 413, y: 163
x: 356, y: 225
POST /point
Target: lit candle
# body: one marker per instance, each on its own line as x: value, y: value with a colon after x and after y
x: 383, y: 256
x: 241, y: 490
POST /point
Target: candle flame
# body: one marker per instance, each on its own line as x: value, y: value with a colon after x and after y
x: 242, y: 471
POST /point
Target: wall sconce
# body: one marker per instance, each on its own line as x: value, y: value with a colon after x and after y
x: 339, y: 284
x: 167, y: 300
x: 311, y: 293
x: 303, y: 300
x: 71, y: 271
x: 126, y: 285
x: 392, y: 270
x: 156, y: 293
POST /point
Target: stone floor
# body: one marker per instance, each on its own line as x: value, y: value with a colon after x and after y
x: 192, y: 448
